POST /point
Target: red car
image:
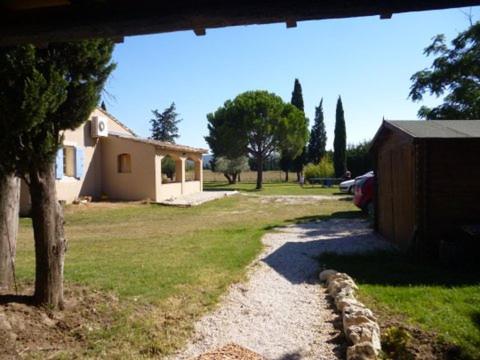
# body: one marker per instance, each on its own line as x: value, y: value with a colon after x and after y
x: 364, y: 191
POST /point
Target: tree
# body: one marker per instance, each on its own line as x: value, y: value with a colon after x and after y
x: 298, y: 161
x: 27, y: 96
x: 297, y: 96
x: 103, y: 106
x: 454, y: 74
x: 286, y: 163
x: 164, y: 124
x: 359, y: 160
x: 256, y: 123
x: 9, y: 207
x: 70, y: 78
x: 318, y: 137
x: 340, y: 141
x: 231, y: 168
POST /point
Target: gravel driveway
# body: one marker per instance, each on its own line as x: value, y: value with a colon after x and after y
x: 281, y: 312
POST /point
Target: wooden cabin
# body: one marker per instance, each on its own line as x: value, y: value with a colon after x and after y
x: 427, y: 182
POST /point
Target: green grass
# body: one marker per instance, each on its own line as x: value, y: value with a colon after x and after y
x: 167, y: 265
x: 273, y: 188
x: 436, y: 298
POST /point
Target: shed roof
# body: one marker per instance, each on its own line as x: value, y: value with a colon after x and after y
x: 437, y: 129
x: 161, y: 144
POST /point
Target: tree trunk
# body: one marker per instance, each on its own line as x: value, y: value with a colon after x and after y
x: 9, y: 207
x: 259, y: 172
x: 238, y: 177
x: 234, y: 178
x: 50, y: 243
x: 229, y: 178
x: 298, y: 175
x: 286, y: 176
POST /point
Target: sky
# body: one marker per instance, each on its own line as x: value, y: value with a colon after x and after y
x: 366, y: 61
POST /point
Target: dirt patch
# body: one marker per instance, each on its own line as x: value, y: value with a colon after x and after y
x: 402, y: 341
x: 28, y: 331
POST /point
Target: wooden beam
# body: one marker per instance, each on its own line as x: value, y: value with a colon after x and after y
x: 114, y: 18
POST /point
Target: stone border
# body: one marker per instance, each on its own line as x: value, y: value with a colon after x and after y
x: 359, y: 324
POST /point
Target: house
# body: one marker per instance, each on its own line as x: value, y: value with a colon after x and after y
x: 427, y: 182
x: 105, y: 159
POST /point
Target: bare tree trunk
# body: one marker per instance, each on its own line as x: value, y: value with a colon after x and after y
x: 259, y: 172
x: 298, y: 175
x: 229, y: 178
x: 234, y: 178
x: 9, y: 207
x: 286, y: 176
x: 239, y: 180
x: 50, y: 243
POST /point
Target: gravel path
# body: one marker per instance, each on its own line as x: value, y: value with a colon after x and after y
x: 281, y: 312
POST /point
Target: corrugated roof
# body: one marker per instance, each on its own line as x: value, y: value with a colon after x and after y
x: 161, y: 144
x: 438, y: 128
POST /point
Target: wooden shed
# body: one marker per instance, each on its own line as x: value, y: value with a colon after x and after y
x: 427, y: 182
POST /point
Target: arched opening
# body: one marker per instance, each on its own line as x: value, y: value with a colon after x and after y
x: 124, y: 163
x: 168, y: 169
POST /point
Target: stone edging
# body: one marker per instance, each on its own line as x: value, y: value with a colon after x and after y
x: 359, y: 324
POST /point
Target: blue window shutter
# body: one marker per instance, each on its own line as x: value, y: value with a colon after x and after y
x: 59, y: 164
x: 79, y: 158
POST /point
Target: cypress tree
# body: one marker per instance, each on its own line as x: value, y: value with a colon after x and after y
x: 297, y: 96
x: 340, y: 141
x: 318, y: 136
x: 297, y: 100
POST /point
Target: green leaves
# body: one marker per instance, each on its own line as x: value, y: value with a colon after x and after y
x: 455, y: 74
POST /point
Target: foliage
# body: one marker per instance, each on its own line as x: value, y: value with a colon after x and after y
x: 168, y: 166
x: 231, y: 168
x: 324, y: 169
x: 340, y: 141
x: 359, y: 159
x: 297, y: 96
x: 164, y: 124
x: 298, y: 161
x: 256, y: 123
x: 318, y: 137
x: 103, y: 106
x: 395, y: 341
x: 454, y: 73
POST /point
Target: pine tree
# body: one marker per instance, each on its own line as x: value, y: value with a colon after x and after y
x: 164, y: 124
x: 340, y: 141
x: 318, y: 136
x: 299, y: 161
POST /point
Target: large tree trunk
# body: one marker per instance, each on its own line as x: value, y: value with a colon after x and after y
x: 9, y: 207
x: 50, y: 243
x: 259, y: 172
x: 286, y: 176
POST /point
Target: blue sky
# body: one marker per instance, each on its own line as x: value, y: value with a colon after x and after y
x: 366, y: 60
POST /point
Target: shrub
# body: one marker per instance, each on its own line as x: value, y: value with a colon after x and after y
x: 323, y: 169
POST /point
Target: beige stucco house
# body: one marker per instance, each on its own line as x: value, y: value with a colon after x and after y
x: 105, y: 159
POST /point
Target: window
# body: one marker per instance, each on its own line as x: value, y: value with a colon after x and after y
x: 124, y: 163
x: 69, y: 161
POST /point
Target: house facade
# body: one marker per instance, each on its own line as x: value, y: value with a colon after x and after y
x: 104, y: 159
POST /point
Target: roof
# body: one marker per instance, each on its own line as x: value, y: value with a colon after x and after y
x: 42, y: 21
x: 161, y: 144
x: 438, y: 129
x: 116, y: 120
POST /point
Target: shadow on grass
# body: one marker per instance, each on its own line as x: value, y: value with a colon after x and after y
x: 395, y: 269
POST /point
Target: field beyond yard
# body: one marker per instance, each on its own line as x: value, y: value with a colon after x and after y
x: 166, y: 267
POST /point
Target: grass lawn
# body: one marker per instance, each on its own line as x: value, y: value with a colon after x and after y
x: 437, y: 299
x: 273, y: 188
x: 167, y: 265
